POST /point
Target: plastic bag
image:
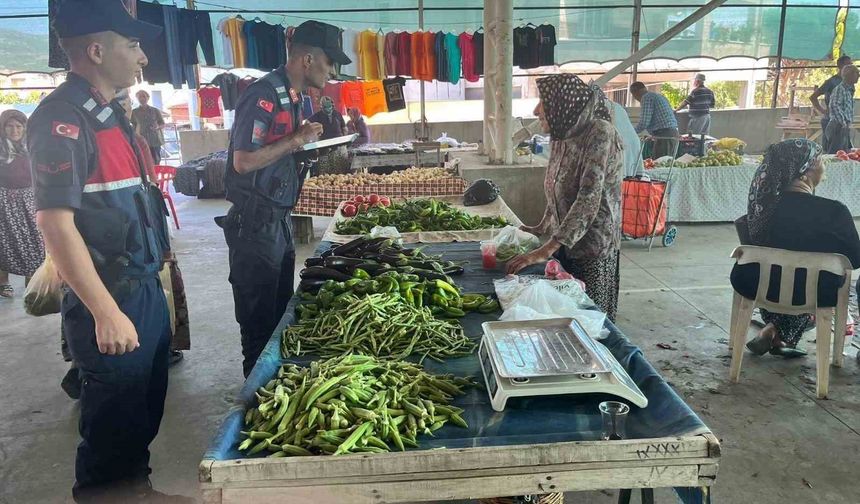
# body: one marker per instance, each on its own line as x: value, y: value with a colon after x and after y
x: 44, y: 293
x: 481, y: 192
x: 386, y: 232
x: 511, y: 242
x: 447, y: 141
x: 541, y: 301
x: 508, y: 289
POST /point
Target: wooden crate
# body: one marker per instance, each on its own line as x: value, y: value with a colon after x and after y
x: 468, y: 473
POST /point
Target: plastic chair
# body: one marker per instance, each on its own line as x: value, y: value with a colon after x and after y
x: 814, y: 263
x: 163, y: 175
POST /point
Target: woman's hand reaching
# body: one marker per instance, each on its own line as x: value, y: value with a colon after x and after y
x: 537, y: 256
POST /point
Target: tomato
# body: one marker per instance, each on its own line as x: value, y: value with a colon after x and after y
x: 362, y: 208
x: 384, y: 201
x: 349, y: 211
x: 358, y: 199
x: 373, y: 199
x: 841, y: 153
x: 553, y: 268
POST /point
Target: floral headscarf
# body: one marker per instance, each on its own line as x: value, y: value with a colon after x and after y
x: 783, y: 163
x: 570, y: 104
x: 8, y: 148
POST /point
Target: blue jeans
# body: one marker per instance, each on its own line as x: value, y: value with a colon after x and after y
x: 122, y: 397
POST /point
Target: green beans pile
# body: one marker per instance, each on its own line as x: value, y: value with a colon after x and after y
x: 380, y: 325
x: 350, y: 404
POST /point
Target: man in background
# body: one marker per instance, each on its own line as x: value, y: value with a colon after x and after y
x: 826, y: 89
x: 837, y: 136
x: 657, y: 118
x: 332, y: 122
x: 700, y: 102
x: 149, y: 123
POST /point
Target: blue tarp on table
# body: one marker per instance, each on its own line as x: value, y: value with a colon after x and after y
x: 524, y: 420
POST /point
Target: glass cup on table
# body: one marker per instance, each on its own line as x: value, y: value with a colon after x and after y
x: 488, y: 254
x: 614, y: 415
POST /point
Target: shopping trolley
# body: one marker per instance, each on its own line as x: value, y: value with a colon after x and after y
x: 645, y: 203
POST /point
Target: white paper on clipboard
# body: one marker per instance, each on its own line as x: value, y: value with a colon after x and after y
x: 331, y: 142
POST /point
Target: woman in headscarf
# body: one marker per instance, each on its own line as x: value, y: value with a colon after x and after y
x: 336, y: 161
x: 783, y: 212
x: 21, y: 247
x: 582, y: 186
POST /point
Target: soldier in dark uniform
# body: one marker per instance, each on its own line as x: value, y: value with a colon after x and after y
x: 264, y: 178
x: 104, y: 225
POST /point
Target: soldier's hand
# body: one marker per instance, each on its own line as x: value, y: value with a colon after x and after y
x: 309, y: 132
x: 115, y: 334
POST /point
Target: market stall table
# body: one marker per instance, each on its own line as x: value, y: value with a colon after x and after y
x: 719, y: 193
x: 537, y: 445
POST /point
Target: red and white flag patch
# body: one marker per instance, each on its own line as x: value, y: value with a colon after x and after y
x: 266, y: 105
x: 65, y: 130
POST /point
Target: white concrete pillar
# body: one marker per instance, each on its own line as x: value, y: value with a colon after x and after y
x: 498, y: 80
x: 194, y: 110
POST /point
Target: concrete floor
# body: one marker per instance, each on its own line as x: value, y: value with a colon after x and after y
x: 779, y: 443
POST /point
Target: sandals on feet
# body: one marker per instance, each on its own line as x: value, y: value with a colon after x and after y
x: 6, y: 291
x: 759, y: 345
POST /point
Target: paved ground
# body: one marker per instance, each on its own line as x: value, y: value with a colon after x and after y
x: 780, y: 444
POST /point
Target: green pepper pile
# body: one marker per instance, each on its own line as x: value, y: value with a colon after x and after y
x: 418, y: 215
x: 351, y: 404
x: 381, y: 325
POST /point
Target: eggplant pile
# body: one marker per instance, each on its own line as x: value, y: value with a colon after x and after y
x: 373, y: 256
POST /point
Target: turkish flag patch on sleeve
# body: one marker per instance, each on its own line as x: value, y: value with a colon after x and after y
x: 266, y: 105
x: 65, y: 130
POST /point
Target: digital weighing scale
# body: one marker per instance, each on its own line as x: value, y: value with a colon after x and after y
x: 549, y: 357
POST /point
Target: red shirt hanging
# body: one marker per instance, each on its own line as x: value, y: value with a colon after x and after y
x: 467, y: 49
x: 352, y: 94
x: 208, y: 102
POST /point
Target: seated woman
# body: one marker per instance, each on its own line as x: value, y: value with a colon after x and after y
x: 783, y: 212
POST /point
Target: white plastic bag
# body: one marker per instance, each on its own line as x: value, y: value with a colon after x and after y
x: 447, y: 141
x: 508, y: 289
x: 44, y: 293
x: 541, y: 301
x: 511, y: 242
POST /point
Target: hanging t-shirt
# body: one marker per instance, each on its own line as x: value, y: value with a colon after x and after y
x: 229, y: 86
x: 374, y: 98
x: 352, y: 95
x: 252, y: 58
x: 380, y: 54
x: 268, y: 42
x: 208, y: 102
x: 545, y: 35
x: 478, y: 44
x: 307, y: 106
x: 467, y: 51
x: 391, y: 53
x: 441, y: 70
x: 244, y: 82
x: 369, y: 66
x: 233, y: 30
x: 423, y: 55
x: 524, y: 46
x: 395, y: 98
x: 333, y: 91
x: 350, y: 46
x: 452, y: 53
x: 226, y: 51
x: 405, y: 55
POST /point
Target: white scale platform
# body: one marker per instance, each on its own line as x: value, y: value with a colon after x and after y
x: 549, y: 357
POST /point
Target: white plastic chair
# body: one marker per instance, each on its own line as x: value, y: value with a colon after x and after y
x: 814, y: 263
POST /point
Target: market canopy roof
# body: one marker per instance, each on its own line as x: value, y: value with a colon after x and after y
x: 587, y: 30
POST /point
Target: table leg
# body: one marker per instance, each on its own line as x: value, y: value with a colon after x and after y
x: 624, y: 496
x: 647, y: 496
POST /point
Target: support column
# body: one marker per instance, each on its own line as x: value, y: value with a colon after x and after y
x: 775, y: 97
x: 634, y: 46
x: 498, y: 80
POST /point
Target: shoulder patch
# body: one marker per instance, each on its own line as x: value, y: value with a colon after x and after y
x: 258, y: 135
x: 265, y: 105
x: 65, y: 130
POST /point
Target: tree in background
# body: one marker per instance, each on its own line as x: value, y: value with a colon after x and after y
x: 17, y: 99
